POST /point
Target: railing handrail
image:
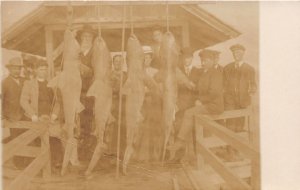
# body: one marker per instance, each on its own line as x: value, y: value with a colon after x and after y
x: 41, y: 162
x: 229, y: 137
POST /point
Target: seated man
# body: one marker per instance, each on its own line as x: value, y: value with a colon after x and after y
x: 37, y: 100
x: 209, y: 98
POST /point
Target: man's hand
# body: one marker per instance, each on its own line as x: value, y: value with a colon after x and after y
x: 34, y: 118
x: 198, y: 103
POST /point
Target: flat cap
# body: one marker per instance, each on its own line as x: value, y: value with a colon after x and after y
x: 206, y: 53
x: 15, y: 61
x: 187, y: 52
x: 237, y: 47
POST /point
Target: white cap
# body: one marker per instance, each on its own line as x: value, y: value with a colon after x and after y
x: 147, y: 49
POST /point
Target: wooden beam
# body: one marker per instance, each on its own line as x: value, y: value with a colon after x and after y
x: 10, y: 149
x: 45, y: 147
x: 28, y: 151
x: 113, y: 25
x: 229, y: 137
x: 232, y: 179
x: 231, y: 114
x: 186, y: 35
x: 21, y: 125
x: 49, y: 52
x: 32, y: 170
x: 58, y: 51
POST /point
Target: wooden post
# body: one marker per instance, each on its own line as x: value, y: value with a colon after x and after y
x: 45, y: 147
x: 185, y: 35
x: 49, y: 51
x: 199, y: 139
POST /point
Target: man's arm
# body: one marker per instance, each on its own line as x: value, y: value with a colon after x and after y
x: 252, y: 83
x: 25, y: 99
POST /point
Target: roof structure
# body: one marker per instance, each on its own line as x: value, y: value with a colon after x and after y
x: 191, y: 25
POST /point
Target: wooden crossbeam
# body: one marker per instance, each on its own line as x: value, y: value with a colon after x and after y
x: 19, y: 142
x: 229, y: 137
x: 32, y: 170
x: 231, y: 114
x: 29, y: 151
x: 113, y: 25
x: 21, y: 125
x: 232, y: 179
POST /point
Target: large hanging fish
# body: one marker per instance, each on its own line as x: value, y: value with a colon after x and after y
x: 102, y: 91
x: 134, y: 89
x: 169, y: 56
x: 69, y: 83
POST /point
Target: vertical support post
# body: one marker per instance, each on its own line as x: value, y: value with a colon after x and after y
x: 185, y: 35
x: 199, y: 139
x: 46, y: 147
x: 49, y: 51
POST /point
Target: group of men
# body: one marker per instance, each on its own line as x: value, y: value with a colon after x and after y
x: 213, y: 89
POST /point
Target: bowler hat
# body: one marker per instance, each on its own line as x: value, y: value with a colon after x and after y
x: 15, y: 61
x: 206, y: 53
x: 87, y: 28
x: 187, y: 52
x: 237, y: 47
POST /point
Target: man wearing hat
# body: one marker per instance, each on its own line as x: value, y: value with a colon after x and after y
x: 186, y: 96
x: 86, y: 37
x: 239, y: 84
x: 11, y: 91
x: 217, y: 58
x: 209, y: 99
x: 11, y: 108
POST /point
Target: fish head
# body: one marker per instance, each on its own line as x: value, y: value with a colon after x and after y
x: 135, y: 54
x: 169, y: 51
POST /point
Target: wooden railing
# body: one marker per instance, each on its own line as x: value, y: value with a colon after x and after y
x: 206, y: 156
x: 19, y: 147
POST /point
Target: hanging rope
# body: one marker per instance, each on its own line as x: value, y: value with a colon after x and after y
x: 121, y: 92
x: 131, y: 20
x: 167, y: 11
x: 98, y: 17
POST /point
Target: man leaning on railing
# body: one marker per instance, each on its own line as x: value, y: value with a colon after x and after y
x: 209, y: 98
x: 42, y: 104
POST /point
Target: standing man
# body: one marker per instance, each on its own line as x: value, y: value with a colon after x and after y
x: 11, y: 91
x: 86, y: 37
x: 37, y: 101
x: 11, y: 108
x: 209, y: 99
x: 239, y: 84
x: 186, y: 96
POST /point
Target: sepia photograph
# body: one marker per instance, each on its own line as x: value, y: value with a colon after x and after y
x: 130, y: 95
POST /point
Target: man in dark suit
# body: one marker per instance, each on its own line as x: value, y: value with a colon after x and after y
x: 11, y: 108
x: 11, y: 91
x: 186, y: 97
x: 86, y: 37
x: 209, y: 98
x: 239, y: 84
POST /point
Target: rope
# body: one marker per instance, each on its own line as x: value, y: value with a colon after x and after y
x: 98, y: 17
x: 131, y: 20
x: 120, y: 93
x: 167, y: 11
